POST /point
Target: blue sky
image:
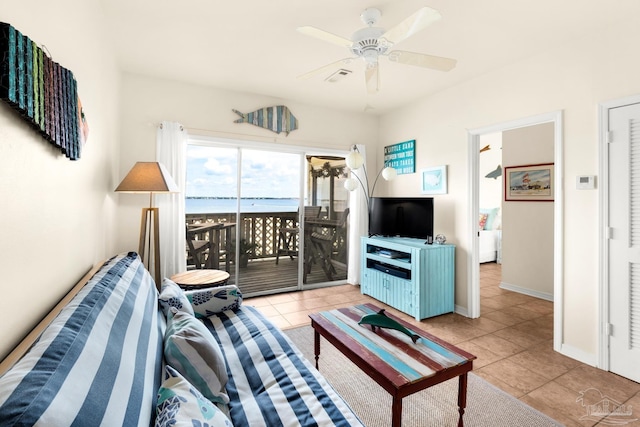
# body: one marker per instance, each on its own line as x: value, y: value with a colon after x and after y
x: 212, y: 171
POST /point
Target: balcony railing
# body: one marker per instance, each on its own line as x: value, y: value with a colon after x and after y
x: 259, y: 229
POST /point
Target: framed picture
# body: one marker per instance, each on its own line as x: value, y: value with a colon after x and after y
x: 529, y: 183
x: 401, y: 157
x: 434, y: 180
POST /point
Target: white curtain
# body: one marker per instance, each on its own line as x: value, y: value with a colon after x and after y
x: 358, y: 223
x: 171, y: 149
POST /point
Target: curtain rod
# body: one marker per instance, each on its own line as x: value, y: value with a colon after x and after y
x: 258, y: 138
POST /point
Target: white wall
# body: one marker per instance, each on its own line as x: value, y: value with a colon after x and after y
x: 527, y: 227
x: 57, y: 216
x: 573, y: 78
x: 207, y: 111
x: 490, y: 189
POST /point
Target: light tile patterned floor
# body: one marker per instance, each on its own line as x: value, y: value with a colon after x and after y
x: 513, y: 340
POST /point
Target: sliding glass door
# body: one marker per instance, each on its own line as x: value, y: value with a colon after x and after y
x: 275, y: 220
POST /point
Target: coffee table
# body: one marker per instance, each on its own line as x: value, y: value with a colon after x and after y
x: 390, y: 357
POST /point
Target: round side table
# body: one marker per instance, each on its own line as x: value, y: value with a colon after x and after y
x: 196, y: 279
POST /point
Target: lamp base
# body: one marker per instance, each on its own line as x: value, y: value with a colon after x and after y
x: 150, y: 218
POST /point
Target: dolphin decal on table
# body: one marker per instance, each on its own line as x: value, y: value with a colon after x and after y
x: 381, y: 320
x: 277, y: 119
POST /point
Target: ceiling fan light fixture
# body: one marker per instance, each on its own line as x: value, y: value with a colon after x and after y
x: 370, y: 16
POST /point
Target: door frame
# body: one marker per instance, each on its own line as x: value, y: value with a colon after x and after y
x: 473, y: 279
x: 602, y: 357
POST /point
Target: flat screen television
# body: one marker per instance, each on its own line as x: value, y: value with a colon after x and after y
x: 401, y: 217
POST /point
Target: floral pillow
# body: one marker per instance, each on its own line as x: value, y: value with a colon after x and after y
x: 171, y: 295
x: 207, y: 302
x: 483, y: 221
x: 181, y: 404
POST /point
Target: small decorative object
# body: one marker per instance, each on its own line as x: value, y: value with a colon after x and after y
x: 434, y: 180
x: 401, y: 157
x: 380, y: 320
x: 495, y: 173
x: 42, y: 91
x: 440, y: 239
x: 277, y: 119
x: 530, y: 183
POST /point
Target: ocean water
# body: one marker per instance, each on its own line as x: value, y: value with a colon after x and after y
x: 214, y: 205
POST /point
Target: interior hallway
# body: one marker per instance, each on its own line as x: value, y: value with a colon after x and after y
x: 513, y: 340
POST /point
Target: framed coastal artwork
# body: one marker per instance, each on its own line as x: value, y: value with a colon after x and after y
x: 529, y: 183
x: 434, y: 180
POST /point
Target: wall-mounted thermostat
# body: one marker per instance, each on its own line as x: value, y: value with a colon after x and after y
x: 585, y: 182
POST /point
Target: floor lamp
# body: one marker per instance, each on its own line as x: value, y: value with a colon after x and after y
x: 149, y: 177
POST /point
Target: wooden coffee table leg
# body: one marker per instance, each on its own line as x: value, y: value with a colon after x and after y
x: 462, y: 396
x: 316, y: 346
x: 396, y: 412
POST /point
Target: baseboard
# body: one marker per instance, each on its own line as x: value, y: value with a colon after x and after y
x: 579, y: 355
x: 526, y: 291
x: 462, y: 311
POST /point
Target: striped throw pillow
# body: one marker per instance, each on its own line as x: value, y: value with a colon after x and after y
x: 191, y: 349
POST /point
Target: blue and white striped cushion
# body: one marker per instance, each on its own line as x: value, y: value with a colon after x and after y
x: 99, y: 362
x: 270, y: 382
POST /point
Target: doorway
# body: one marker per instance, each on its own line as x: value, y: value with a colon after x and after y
x: 473, y: 285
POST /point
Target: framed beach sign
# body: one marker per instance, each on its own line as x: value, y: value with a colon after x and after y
x: 434, y: 180
x: 529, y: 183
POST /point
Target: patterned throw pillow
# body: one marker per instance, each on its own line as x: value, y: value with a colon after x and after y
x: 171, y: 295
x: 207, y: 302
x: 181, y: 404
x: 190, y: 348
x: 483, y: 221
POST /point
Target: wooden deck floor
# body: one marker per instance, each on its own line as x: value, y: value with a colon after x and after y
x: 263, y: 276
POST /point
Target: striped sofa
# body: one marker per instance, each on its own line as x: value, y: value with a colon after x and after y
x: 101, y: 361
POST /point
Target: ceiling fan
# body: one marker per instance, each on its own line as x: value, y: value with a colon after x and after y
x: 371, y: 42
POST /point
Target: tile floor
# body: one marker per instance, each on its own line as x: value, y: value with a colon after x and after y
x: 513, y: 340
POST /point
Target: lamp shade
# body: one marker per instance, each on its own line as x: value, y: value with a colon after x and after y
x: 389, y: 173
x: 350, y: 184
x: 148, y: 177
x: 354, y: 160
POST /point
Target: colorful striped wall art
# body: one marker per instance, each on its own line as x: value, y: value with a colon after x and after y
x: 42, y: 91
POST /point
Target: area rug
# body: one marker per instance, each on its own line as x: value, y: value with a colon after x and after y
x: 487, y: 406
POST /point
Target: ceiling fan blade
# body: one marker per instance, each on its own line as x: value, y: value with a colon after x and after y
x: 419, y: 20
x: 325, y: 35
x: 324, y: 68
x: 421, y: 60
x: 372, y: 78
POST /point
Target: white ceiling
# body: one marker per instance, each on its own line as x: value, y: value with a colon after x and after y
x: 253, y: 46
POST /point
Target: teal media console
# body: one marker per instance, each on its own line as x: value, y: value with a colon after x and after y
x: 409, y: 275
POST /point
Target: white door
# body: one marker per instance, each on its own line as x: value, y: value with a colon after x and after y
x: 624, y: 241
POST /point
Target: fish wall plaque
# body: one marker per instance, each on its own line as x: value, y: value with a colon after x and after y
x: 277, y: 119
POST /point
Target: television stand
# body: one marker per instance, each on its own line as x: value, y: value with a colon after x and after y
x: 409, y: 274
